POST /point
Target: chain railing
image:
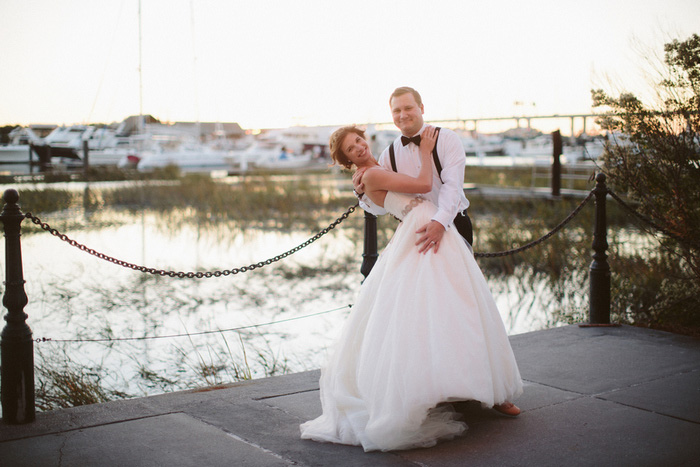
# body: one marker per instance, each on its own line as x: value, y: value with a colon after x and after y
x: 226, y: 272
x: 207, y: 274
x: 190, y: 274
x: 542, y: 239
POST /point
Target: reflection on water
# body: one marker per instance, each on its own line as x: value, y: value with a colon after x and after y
x: 75, y: 296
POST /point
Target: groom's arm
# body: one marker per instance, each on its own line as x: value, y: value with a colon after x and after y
x: 453, y: 160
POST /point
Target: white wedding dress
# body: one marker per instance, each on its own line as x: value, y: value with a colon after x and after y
x: 424, y: 330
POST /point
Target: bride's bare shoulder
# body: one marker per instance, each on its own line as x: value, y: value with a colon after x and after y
x: 376, y: 170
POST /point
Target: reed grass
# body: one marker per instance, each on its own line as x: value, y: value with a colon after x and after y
x: 62, y: 383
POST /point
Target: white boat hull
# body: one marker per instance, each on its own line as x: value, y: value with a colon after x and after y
x: 14, y: 154
x: 186, y: 161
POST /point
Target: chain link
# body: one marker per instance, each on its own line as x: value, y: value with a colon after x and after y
x: 189, y: 275
x: 541, y: 239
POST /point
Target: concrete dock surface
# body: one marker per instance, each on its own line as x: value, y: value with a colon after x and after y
x: 595, y: 396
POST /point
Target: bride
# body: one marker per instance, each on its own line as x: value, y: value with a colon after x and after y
x: 424, y: 330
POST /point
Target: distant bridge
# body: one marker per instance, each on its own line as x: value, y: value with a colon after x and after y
x: 517, y: 119
x: 474, y: 122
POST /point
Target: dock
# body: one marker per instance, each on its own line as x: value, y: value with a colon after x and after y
x: 593, y: 396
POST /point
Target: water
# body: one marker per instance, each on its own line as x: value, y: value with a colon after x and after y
x: 76, y: 296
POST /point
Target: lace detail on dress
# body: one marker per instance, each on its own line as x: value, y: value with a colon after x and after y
x: 412, y: 204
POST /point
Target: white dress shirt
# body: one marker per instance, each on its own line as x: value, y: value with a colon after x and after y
x: 447, y: 194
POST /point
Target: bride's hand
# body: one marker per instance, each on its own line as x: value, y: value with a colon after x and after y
x: 428, y: 139
x: 357, y: 183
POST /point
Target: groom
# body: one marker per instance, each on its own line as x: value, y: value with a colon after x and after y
x: 448, y: 174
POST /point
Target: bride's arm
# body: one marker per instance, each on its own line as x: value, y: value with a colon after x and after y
x: 378, y: 179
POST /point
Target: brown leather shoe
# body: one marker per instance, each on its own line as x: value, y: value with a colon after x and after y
x: 507, y: 408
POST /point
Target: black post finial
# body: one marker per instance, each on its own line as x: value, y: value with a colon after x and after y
x: 11, y: 196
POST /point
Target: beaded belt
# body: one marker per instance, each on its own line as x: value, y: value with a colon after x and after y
x: 412, y: 204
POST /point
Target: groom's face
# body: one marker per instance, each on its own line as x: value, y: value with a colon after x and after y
x: 407, y: 114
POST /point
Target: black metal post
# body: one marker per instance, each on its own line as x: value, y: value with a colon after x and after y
x: 45, y: 162
x: 17, y: 346
x: 31, y: 158
x: 86, y: 159
x: 370, y: 255
x: 556, y: 163
x: 600, y: 270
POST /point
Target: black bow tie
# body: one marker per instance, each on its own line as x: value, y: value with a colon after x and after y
x: 415, y: 140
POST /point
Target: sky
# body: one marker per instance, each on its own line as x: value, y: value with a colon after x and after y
x: 278, y: 63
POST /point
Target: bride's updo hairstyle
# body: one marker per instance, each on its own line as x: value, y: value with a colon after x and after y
x: 336, y: 142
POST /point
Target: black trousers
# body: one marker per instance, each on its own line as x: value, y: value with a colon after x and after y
x: 464, y: 226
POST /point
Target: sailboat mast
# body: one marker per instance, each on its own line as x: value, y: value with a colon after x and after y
x: 194, y: 73
x: 141, y: 123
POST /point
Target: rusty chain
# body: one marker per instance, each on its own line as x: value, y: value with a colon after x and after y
x: 199, y: 275
x: 541, y: 239
x: 189, y: 275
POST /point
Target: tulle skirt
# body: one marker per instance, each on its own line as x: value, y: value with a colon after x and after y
x: 424, y: 330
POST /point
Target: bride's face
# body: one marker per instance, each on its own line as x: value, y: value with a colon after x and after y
x: 356, y: 149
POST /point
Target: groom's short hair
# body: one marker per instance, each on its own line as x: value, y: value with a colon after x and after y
x: 405, y: 90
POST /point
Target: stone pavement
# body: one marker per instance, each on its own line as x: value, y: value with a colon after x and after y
x: 593, y: 396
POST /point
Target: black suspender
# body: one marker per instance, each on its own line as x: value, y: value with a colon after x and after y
x: 462, y: 222
x: 436, y: 159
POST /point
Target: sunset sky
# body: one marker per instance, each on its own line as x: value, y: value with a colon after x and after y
x: 276, y: 63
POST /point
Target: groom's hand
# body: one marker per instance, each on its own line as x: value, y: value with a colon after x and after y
x: 432, y: 233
